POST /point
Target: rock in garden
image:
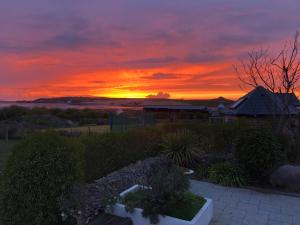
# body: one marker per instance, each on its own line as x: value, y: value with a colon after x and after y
x: 287, y: 176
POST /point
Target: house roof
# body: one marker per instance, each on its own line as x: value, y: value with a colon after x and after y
x: 262, y: 102
x: 289, y: 98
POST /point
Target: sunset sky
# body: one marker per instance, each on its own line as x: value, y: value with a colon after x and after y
x: 135, y: 48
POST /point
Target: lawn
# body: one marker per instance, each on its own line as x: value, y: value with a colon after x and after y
x: 87, y: 129
x: 5, y: 150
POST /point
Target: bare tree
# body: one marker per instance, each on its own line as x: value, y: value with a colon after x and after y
x: 277, y: 73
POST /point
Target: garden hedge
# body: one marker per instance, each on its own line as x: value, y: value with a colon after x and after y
x: 108, y: 152
x: 41, y: 169
x: 258, y: 152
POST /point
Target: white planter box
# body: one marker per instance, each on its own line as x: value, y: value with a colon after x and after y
x: 203, y: 217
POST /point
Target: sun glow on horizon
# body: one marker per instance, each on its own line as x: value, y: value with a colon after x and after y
x: 156, y: 48
x: 183, y: 96
x: 123, y: 95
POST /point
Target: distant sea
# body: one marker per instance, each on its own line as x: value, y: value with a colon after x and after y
x: 68, y: 106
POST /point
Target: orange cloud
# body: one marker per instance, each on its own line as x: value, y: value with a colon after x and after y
x: 134, y: 49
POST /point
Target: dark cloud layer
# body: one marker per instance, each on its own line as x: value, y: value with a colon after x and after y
x: 159, y: 95
x: 132, y: 43
x: 161, y: 76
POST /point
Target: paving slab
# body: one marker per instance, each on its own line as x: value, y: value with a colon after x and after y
x: 237, y: 206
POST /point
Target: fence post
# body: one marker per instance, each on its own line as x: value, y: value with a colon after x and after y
x: 6, y: 133
x: 111, y: 121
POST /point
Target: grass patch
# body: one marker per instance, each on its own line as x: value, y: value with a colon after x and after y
x: 188, y: 209
x: 87, y: 129
x: 5, y: 151
x: 185, y: 210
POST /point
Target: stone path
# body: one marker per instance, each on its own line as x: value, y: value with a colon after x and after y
x: 234, y: 206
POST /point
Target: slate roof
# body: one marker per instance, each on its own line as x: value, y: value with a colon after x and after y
x: 289, y: 98
x: 261, y: 102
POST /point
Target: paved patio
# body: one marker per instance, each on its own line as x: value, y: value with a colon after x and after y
x: 234, y: 206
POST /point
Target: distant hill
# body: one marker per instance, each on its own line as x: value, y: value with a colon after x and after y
x: 133, y: 101
x: 68, y: 99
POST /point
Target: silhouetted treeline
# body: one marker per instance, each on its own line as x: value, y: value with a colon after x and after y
x: 80, y: 116
x: 17, y: 121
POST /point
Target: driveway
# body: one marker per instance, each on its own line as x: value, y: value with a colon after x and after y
x: 235, y: 206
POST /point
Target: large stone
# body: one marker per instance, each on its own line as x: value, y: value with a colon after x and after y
x: 287, y: 176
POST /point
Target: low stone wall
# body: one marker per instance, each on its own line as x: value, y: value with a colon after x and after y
x: 118, y: 181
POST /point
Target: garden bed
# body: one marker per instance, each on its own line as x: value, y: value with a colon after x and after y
x: 194, y: 210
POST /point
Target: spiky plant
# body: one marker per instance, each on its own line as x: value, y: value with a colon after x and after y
x: 181, y: 147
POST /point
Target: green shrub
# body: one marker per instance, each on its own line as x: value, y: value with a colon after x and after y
x: 226, y: 174
x: 291, y: 143
x: 41, y: 169
x: 258, y: 152
x: 108, y: 152
x: 214, y: 138
x: 201, y: 171
x: 181, y: 147
x: 81, y: 116
x: 12, y: 112
x: 220, y: 138
x: 168, y: 187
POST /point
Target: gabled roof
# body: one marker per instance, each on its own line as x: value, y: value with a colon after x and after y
x: 261, y: 102
x: 289, y: 98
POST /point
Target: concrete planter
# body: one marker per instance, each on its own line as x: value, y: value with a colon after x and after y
x: 189, y: 172
x: 203, y: 217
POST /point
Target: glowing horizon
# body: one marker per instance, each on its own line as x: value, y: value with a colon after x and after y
x: 134, y: 49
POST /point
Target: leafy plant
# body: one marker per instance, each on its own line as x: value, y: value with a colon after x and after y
x: 226, y: 174
x: 41, y: 169
x: 181, y: 147
x: 168, y: 187
x: 201, y: 171
x: 290, y: 139
x: 258, y: 152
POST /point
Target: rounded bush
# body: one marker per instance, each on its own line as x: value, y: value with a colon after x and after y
x: 258, y: 152
x: 41, y: 169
